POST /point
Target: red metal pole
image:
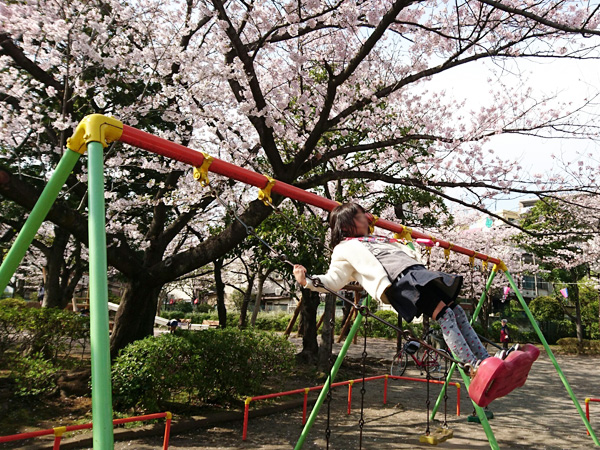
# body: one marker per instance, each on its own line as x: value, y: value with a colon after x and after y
x: 167, y: 430
x: 161, y: 146
x: 58, y: 432
x: 29, y: 435
x: 246, y: 413
x: 587, y: 412
x: 457, y: 399
x: 350, y: 396
x: 306, y: 391
x: 385, y: 384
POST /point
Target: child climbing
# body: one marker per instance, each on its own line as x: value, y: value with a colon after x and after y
x: 395, y: 274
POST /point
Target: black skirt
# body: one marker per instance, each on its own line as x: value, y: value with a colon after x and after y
x: 418, y: 291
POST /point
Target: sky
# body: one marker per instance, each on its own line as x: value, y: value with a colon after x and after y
x: 574, y: 80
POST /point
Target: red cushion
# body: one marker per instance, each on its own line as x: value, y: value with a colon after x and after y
x: 495, y: 377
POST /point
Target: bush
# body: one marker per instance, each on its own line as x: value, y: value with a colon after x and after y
x: 17, y: 303
x: 546, y: 308
x: 571, y: 345
x: 214, y: 365
x: 34, y: 376
x: 204, y: 308
x: 48, y: 331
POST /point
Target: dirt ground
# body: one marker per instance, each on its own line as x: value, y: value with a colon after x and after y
x: 540, y: 415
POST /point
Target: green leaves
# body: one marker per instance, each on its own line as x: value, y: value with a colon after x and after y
x: 209, y: 366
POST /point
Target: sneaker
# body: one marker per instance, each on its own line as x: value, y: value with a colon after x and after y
x: 501, y: 354
x: 512, y: 349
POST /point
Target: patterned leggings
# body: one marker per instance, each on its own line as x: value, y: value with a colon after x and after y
x: 460, y: 336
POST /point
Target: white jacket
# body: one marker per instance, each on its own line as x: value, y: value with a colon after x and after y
x: 352, y: 261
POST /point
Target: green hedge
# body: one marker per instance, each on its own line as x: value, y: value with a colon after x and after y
x: 48, y: 332
x: 211, y: 366
x: 35, y: 343
x: 571, y: 345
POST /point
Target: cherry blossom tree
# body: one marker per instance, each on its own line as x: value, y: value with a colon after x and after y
x: 568, y: 248
x: 308, y: 92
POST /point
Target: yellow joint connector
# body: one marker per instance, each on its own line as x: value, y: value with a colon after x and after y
x: 485, y: 262
x: 59, y: 431
x: 372, y: 223
x: 306, y: 390
x: 407, y: 234
x: 500, y: 266
x: 351, y: 382
x: 248, y: 400
x: 587, y: 400
x: 447, y: 251
x: 95, y: 128
x: 264, y: 194
x: 168, y: 415
x: 201, y: 173
x: 457, y: 385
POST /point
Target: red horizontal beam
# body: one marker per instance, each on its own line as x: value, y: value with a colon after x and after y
x: 160, y: 146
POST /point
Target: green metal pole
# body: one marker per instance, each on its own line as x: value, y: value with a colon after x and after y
x: 36, y: 217
x: 99, y: 339
x: 334, y: 371
x: 481, y: 414
x: 453, y: 366
x: 479, y: 410
x: 552, y: 358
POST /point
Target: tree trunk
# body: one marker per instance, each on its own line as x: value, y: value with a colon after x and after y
x: 246, y: 301
x: 259, y: 290
x: 325, y: 361
x: 19, y: 288
x: 310, y: 346
x: 55, y: 257
x: 574, y: 297
x: 136, y: 321
x: 71, y: 275
x: 598, y: 278
x: 220, y: 287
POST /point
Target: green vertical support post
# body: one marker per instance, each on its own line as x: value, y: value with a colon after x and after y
x: 453, y: 366
x: 513, y: 285
x: 479, y: 410
x: 36, y: 217
x: 481, y: 414
x: 99, y: 338
x: 330, y: 379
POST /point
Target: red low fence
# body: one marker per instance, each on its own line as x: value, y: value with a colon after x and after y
x: 349, y: 383
x: 59, y: 431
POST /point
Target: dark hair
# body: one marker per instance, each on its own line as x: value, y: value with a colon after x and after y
x: 341, y: 221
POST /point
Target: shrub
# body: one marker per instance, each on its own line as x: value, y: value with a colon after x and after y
x: 571, y: 345
x: 17, y: 303
x: 546, y: 308
x: 212, y: 365
x: 204, y: 308
x: 34, y: 376
x: 47, y: 331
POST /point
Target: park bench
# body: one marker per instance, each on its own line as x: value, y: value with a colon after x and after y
x: 206, y: 324
x: 185, y: 322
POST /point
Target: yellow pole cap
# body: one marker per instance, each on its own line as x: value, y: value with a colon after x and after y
x: 95, y: 128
